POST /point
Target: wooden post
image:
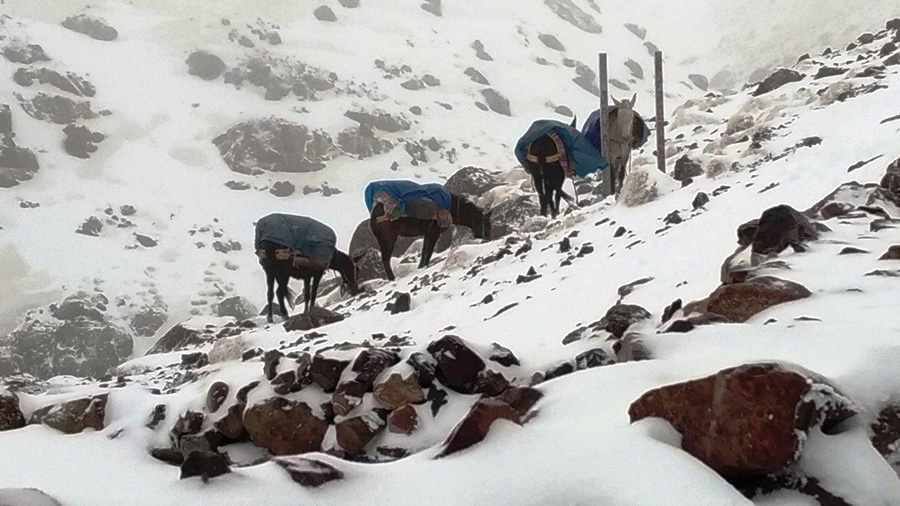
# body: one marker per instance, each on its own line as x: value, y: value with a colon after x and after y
x: 660, y: 114
x: 604, y: 122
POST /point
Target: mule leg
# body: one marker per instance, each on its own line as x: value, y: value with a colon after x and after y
x: 541, y: 191
x: 431, y: 239
x: 386, y: 242
x: 552, y: 197
x: 270, y: 293
x: 282, y: 292
x: 306, y: 296
x: 314, y: 291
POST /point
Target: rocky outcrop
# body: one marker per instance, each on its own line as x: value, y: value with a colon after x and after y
x: 25, y: 54
x: 94, y: 28
x: 179, y: 337
x: 81, y: 142
x: 236, y: 307
x: 56, y: 109
x: 622, y: 316
x: 891, y: 180
x: 79, y: 346
x: 205, y: 464
x: 781, y: 227
x: 11, y: 416
x: 74, y: 416
x: 274, y: 145
x: 747, y: 421
x: 314, y: 318
x: 776, y: 80
x: 70, y: 83
x: 687, y: 169
x: 472, y: 182
x: 17, y: 164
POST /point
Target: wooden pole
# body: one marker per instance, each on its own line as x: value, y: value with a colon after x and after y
x: 604, y: 122
x: 660, y: 114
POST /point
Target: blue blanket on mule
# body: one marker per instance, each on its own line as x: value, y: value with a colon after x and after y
x: 591, y: 128
x: 314, y: 239
x: 407, y: 191
x: 585, y: 157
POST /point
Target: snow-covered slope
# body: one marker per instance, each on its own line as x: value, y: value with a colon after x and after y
x: 579, y: 448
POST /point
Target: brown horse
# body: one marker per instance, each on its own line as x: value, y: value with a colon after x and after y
x: 463, y: 212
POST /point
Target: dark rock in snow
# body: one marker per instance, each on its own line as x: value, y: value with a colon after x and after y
x: 326, y: 372
x: 73, y: 417
x: 503, y: 356
x: 56, y: 109
x: 90, y: 227
x: 686, y: 168
x: 70, y: 83
x: 274, y: 145
x: 497, y: 102
x: 893, y: 253
x: 622, y: 316
x: 285, y: 427
x: 568, y: 11
x: 205, y: 65
x: 476, y: 76
x: 353, y: 434
x: 306, y: 471
x: 780, y: 227
x: 81, y: 142
x: 741, y: 301
x: 471, y: 181
x: 204, y: 464
x: 700, y: 200
x: 551, y: 41
x: 478, y: 46
x: 93, y: 28
x: 282, y: 189
x: 457, y: 365
x: 11, y: 416
x: 324, y: 13
x: 432, y: 6
x: 148, y: 320
x: 596, y: 357
x: 778, y: 79
x: 314, y: 318
x: 397, y: 391
x: 178, y: 337
x: 760, y: 413
x: 25, y: 54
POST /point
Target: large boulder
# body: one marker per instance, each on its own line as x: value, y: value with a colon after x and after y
x: 274, y: 145
x: 179, y: 337
x: 747, y: 421
x: 314, y: 318
x: 687, y: 169
x: 26, y: 54
x: 74, y: 416
x: 79, y: 347
x: 237, y: 307
x: 205, y: 464
x: 397, y: 391
x: 17, y: 164
x: 886, y: 433
x: 622, y: 316
x: 285, y: 427
x: 891, y: 180
x: 472, y: 182
x: 511, y: 215
x: 781, y: 227
x: 11, y: 416
x: 205, y: 65
x: 326, y: 371
x: 741, y: 301
x: 94, y: 28
x: 354, y: 434
x: 457, y: 365
x: 56, y: 109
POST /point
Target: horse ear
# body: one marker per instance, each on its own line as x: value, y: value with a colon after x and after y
x: 574, y: 121
x: 633, y: 99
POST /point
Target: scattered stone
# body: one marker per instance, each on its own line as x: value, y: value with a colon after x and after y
x: 622, y: 316
x: 25, y: 54
x: 274, y: 145
x: 551, y: 41
x: 326, y: 372
x: 596, y: 357
x: 476, y: 76
x: 573, y: 14
x: 496, y: 102
x: 432, y: 6
x: 306, y: 471
x: 81, y: 142
x: 893, y: 253
x: 148, y: 320
x: 478, y: 46
x: 70, y: 83
x: 686, y: 168
x: 397, y: 391
x: 56, y: 109
x: 353, y: 434
x: 178, y: 337
x: 403, y: 421
x: 503, y: 356
x: 283, y: 189
x: 780, y: 227
x: 314, y: 318
x: 11, y: 416
x: 401, y: 303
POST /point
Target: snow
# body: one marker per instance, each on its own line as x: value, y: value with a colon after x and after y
x: 580, y: 449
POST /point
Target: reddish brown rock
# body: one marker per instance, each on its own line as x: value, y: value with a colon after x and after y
x: 893, y: 253
x: 476, y: 424
x: 370, y: 363
x: 491, y: 383
x: 347, y: 396
x: 216, y: 396
x: 746, y: 421
x: 739, y: 302
x: 404, y: 420
x: 835, y: 209
x: 285, y: 427
x: 522, y: 400
x: 326, y: 372
x: 891, y: 179
x: 353, y: 434
x: 621, y: 316
x: 397, y: 391
x: 271, y: 359
x: 309, y: 472
x: 74, y: 416
x: 457, y: 365
x: 187, y: 424
x: 231, y: 425
x: 11, y: 416
x: 286, y: 382
x: 204, y: 464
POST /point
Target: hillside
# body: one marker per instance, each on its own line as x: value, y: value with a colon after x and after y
x: 560, y: 325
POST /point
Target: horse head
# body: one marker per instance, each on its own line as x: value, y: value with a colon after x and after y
x: 624, y: 127
x: 467, y: 214
x: 348, y: 269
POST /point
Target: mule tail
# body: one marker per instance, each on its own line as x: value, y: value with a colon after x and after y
x: 291, y: 296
